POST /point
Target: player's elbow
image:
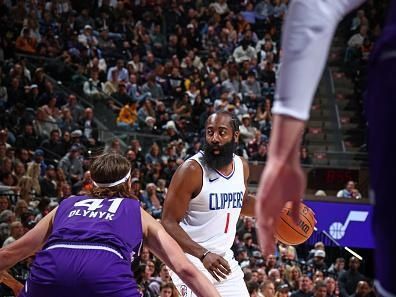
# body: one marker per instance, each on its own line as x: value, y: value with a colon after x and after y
x: 168, y: 223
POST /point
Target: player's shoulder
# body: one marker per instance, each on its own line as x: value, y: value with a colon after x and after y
x: 191, y: 166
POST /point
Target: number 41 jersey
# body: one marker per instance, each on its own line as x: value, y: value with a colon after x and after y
x: 212, y: 215
x: 114, y: 222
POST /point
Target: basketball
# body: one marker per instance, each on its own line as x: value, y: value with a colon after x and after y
x: 288, y: 232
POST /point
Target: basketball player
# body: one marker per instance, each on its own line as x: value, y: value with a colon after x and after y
x: 89, y: 242
x: 308, y: 30
x: 204, y: 200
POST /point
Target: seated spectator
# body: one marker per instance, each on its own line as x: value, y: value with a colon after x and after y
x: 152, y: 201
x: 105, y: 43
x: 134, y: 90
x: 53, y: 148
x: 111, y: 85
x: 16, y: 232
x: 120, y: 72
x: 26, y: 43
x: 182, y: 107
x: 363, y: 289
x: 26, y: 189
x: 350, y: 191
x: 44, y: 123
x: 71, y: 165
x: 152, y: 87
x: 305, y: 288
x: 304, y: 156
x: 48, y: 184
x: 75, y: 109
x: 331, y: 286
x: 264, y: 117
x: 27, y: 139
x: 7, y: 184
x: 87, y: 38
x: 127, y: 117
x: 251, y: 89
x: 122, y: 95
x: 348, y: 280
x: 66, y: 122
x: 88, y: 127
x: 318, y: 261
x: 320, y: 289
x: 244, y: 52
x: 267, y: 288
x: 246, y: 130
x: 337, y: 268
x: 261, y: 154
x: 92, y: 88
x: 157, y: 283
x: 4, y: 202
x: 146, y: 109
x: 154, y: 154
x: 51, y: 108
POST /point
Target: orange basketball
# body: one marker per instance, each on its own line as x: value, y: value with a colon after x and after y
x: 288, y: 232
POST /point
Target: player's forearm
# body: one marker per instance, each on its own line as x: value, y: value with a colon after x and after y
x: 187, y: 244
x: 198, y: 282
x: 285, y: 141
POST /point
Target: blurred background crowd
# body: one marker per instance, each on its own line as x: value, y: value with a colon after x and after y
x: 74, y: 71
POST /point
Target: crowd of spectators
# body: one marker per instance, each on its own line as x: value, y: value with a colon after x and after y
x: 362, y: 30
x: 161, y: 67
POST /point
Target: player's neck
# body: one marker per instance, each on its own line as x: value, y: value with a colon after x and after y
x: 227, y: 169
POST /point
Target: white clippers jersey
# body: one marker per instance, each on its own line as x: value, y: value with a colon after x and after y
x: 212, y: 215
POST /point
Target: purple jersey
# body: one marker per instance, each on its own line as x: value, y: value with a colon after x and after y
x: 381, y: 114
x: 89, y: 250
x: 103, y: 221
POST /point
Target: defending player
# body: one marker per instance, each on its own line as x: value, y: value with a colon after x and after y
x: 89, y: 242
x: 308, y: 30
x: 205, y: 198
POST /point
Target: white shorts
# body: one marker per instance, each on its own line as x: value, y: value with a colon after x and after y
x: 232, y: 286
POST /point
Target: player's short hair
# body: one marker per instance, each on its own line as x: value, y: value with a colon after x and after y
x: 234, y: 122
x: 108, y: 168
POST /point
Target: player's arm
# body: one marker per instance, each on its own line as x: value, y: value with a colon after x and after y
x: 249, y: 201
x: 167, y: 249
x: 307, y: 33
x: 185, y: 184
x: 11, y: 282
x: 28, y: 244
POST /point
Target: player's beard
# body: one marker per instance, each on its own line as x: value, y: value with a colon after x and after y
x: 218, y: 161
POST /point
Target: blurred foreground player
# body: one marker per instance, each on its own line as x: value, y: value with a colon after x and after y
x: 204, y: 200
x: 307, y: 34
x: 90, y: 241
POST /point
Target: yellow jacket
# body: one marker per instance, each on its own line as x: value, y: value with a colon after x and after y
x: 128, y: 114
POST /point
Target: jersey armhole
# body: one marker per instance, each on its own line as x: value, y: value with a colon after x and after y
x: 202, y: 171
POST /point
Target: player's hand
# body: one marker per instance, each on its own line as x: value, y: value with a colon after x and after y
x: 279, y: 183
x: 217, y: 266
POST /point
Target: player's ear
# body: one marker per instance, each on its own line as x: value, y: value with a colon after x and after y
x: 236, y: 136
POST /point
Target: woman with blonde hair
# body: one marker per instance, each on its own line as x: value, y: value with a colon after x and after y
x: 33, y: 171
x: 292, y: 276
x: 27, y: 191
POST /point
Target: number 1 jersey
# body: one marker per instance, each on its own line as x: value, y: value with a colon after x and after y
x: 212, y: 215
